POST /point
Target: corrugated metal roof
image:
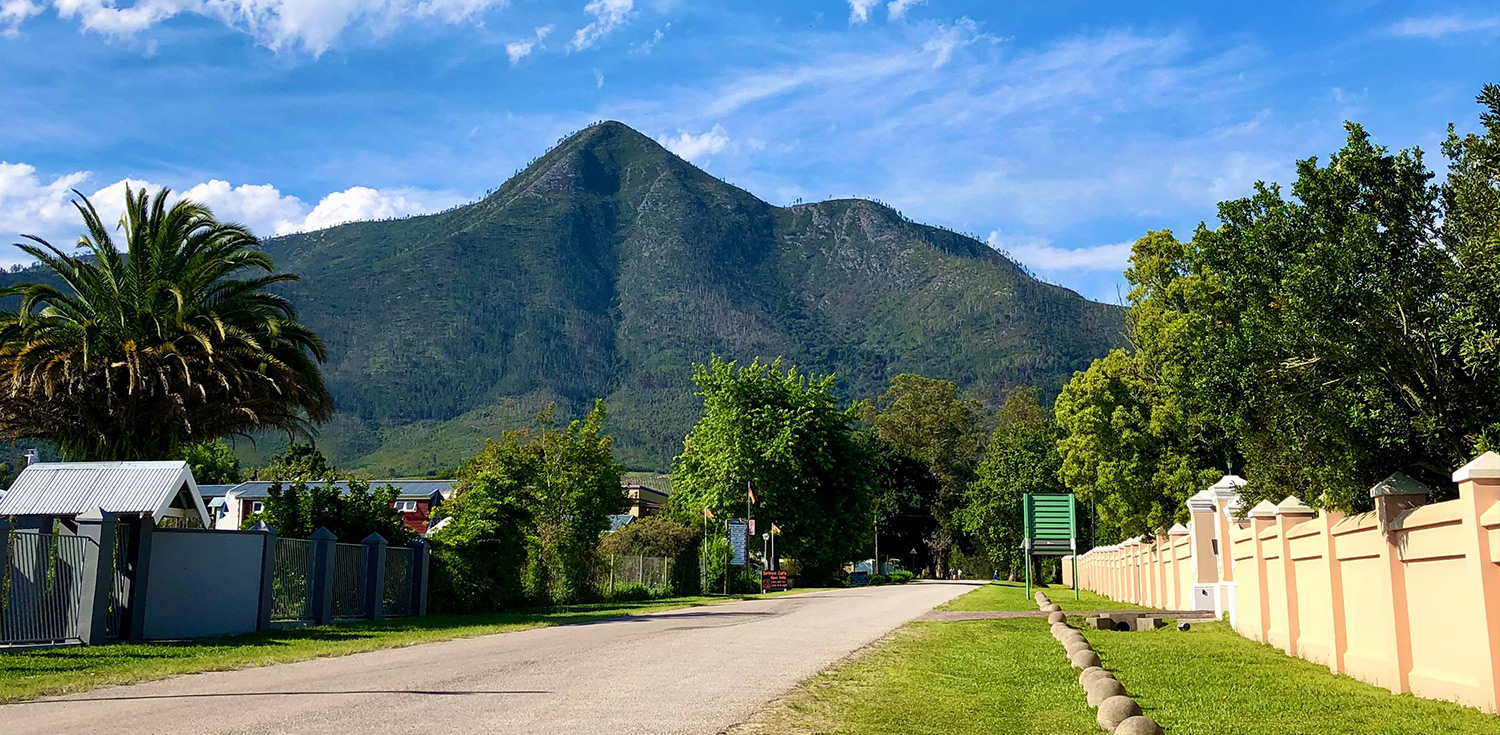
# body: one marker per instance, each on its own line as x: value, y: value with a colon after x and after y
x: 215, y: 491
x: 71, y: 488
x: 405, y: 489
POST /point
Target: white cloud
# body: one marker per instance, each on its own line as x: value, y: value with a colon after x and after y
x: 897, y: 8
x: 859, y: 10
x: 1437, y: 26
x: 313, y: 25
x: 696, y: 147
x: 33, y: 205
x: 521, y: 49
x: 608, y: 15
x: 1040, y: 255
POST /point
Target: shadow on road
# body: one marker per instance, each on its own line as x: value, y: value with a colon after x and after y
x: 212, y: 695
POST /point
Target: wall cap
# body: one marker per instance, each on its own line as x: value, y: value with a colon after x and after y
x: 1398, y: 484
x: 323, y: 534
x: 1202, y: 502
x: 1484, y: 467
x: 1178, y: 530
x: 1265, y: 509
x: 1291, y: 506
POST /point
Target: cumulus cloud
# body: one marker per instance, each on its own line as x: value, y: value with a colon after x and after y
x: 859, y: 10
x: 1040, y: 255
x: 608, y: 15
x: 521, y: 49
x: 36, y: 205
x: 313, y: 25
x: 1437, y: 26
x: 695, y: 147
x: 897, y: 8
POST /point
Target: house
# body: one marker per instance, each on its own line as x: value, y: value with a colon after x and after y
x: 163, y: 492
x: 643, y: 501
x: 415, y: 499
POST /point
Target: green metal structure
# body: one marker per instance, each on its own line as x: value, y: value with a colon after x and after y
x: 1051, y: 530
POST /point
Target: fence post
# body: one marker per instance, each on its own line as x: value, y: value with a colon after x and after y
x: 374, y: 576
x: 1479, y: 498
x: 322, y: 544
x: 420, y: 556
x: 98, y: 575
x: 267, y: 574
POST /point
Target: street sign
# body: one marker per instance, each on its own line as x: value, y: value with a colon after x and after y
x: 771, y: 581
x: 1051, y: 529
x: 859, y: 579
x: 737, y: 531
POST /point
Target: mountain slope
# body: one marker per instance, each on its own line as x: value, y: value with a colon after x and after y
x: 610, y: 265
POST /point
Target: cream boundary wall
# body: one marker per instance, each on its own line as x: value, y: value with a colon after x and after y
x: 1406, y: 597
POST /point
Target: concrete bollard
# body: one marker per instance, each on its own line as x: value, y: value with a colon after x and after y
x: 1100, y: 689
x: 1138, y: 725
x: 1116, y: 710
x: 1057, y: 616
x: 1084, y: 659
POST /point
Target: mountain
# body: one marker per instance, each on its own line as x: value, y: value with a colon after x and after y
x: 609, y: 266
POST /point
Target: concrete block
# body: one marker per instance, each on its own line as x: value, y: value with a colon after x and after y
x: 1101, y: 623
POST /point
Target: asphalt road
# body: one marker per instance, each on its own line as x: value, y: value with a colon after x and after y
x: 695, y: 670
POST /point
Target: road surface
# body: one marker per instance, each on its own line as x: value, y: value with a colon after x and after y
x: 695, y: 670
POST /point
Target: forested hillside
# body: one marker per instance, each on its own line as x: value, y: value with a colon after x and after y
x: 609, y: 266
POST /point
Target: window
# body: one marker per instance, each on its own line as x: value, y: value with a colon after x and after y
x: 257, y: 507
x: 406, y: 506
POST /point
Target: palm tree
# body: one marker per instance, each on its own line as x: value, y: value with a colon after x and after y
x: 138, y: 355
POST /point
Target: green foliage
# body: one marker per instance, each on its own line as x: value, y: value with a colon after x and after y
x: 931, y: 420
x: 783, y: 432
x: 298, y: 508
x: 138, y: 354
x: 297, y: 462
x: 1126, y: 449
x: 654, y: 536
x: 1021, y: 458
x: 900, y: 576
x: 527, y: 514
x: 610, y: 266
x: 213, y: 463
x: 905, y: 492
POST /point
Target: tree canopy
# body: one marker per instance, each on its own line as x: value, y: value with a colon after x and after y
x: 176, y: 341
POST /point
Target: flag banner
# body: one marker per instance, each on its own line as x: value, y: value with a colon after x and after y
x: 775, y: 530
x: 708, y: 513
x: 751, y: 490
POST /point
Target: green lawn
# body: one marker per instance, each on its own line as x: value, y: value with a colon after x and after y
x: 1010, y: 676
x: 1212, y: 680
x: 34, y: 673
x: 1008, y: 596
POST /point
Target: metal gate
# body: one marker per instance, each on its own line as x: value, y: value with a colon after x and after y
x: 291, y: 581
x: 349, y: 581
x: 41, y: 584
x: 398, y: 581
x: 119, y: 591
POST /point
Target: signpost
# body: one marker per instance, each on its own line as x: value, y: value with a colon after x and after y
x: 1051, y: 522
x: 773, y: 581
x: 738, y: 530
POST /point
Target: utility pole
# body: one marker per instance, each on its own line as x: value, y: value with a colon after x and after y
x: 876, y: 523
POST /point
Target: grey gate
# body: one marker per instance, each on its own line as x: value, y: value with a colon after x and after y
x: 41, y: 587
x: 292, y: 581
x: 349, y: 581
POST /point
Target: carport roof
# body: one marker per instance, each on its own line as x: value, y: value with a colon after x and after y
x: 69, y: 489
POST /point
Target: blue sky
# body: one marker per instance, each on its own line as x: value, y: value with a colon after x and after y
x: 1059, y: 131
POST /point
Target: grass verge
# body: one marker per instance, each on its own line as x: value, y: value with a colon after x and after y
x: 27, y: 674
x: 1011, y: 596
x: 1010, y: 676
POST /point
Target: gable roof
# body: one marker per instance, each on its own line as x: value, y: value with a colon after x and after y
x: 68, y: 489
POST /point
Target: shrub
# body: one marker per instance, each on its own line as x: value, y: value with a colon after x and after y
x: 901, y: 576
x: 879, y: 579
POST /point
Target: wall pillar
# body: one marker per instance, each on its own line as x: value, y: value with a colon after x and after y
x: 1262, y: 517
x: 142, y: 532
x: 421, y: 557
x: 1394, y: 496
x: 1479, y: 496
x: 322, y: 544
x: 267, y: 574
x: 374, y: 576
x: 1289, y: 513
x: 98, y: 575
x: 1335, y: 590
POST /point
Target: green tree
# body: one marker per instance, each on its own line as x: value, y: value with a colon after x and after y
x: 298, y: 461
x: 1021, y: 458
x: 1126, y: 449
x: 213, y: 463
x: 1339, y: 335
x: 784, y: 433
x: 904, y: 492
x: 930, y: 420
x: 654, y: 536
x: 143, y: 352
x: 351, y: 509
x: 542, y: 498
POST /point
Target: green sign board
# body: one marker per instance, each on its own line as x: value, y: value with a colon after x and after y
x: 1051, y: 529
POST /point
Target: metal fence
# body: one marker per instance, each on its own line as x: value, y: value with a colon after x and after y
x: 621, y: 570
x: 349, y: 581
x: 398, y: 579
x: 291, y: 581
x: 41, y: 586
x: 119, y: 591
